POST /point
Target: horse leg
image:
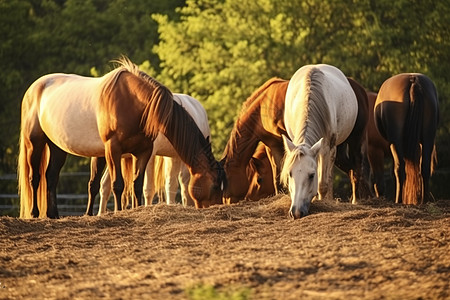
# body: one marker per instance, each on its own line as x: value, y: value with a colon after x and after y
x: 105, y: 192
x: 184, y: 177
x: 113, y: 155
x: 34, y: 157
x: 140, y: 167
x: 427, y: 156
x: 172, y: 167
x: 376, y: 161
x: 325, y: 173
x: 97, y: 166
x: 347, y: 164
x: 275, y: 155
x: 57, y: 160
x: 149, y: 184
x: 399, y: 171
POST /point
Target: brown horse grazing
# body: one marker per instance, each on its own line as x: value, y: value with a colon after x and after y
x: 260, y: 120
x: 377, y: 151
x: 407, y: 115
x: 121, y: 112
x: 259, y: 172
x: 351, y: 153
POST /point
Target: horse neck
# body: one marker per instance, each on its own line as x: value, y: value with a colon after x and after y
x: 243, y: 140
x: 189, y: 142
x: 315, y: 116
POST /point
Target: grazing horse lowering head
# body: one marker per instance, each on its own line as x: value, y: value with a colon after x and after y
x: 300, y: 175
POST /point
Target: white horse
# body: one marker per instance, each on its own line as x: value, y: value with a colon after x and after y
x: 320, y: 113
x: 165, y: 162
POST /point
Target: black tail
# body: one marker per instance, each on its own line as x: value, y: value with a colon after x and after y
x: 413, y: 187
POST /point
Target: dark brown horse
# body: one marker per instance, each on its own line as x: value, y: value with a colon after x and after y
x: 121, y: 112
x: 407, y: 115
x: 351, y: 153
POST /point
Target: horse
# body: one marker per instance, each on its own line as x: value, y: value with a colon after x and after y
x: 164, y: 160
x: 377, y: 150
x: 350, y: 154
x: 320, y: 112
x: 121, y: 112
x: 260, y: 120
x: 406, y: 114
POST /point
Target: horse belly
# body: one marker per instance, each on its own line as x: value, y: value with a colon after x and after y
x: 163, y: 147
x: 69, y: 120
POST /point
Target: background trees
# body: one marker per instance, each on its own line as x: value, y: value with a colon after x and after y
x: 219, y: 51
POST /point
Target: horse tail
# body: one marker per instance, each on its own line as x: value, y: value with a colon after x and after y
x: 128, y: 178
x: 24, y: 170
x: 413, y: 187
x: 159, y: 177
x: 23, y: 178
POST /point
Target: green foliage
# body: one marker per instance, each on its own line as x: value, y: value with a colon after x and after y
x: 208, y: 292
x: 73, y: 36
x: 221, y: 51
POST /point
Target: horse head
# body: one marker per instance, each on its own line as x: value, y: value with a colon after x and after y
x: 300, y: 175
x: 206, y: 188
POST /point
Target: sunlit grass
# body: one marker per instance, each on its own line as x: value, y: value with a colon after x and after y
x: 209, y: 292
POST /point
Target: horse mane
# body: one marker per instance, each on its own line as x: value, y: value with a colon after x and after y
x: 238, y: 129
x: 316, y: 115
x: 314, y: 119
x: 158, y: 98
x: 288, y: 162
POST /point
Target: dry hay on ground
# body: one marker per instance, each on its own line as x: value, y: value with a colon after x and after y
x: 374, y: 250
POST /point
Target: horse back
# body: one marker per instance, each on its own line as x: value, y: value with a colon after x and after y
x: 331, y: 92
x: 407, y: 100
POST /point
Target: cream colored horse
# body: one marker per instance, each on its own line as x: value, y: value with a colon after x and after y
x: 320, y: 113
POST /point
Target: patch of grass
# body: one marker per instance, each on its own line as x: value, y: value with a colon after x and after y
x: 433, y: 209
x: 209, y: 292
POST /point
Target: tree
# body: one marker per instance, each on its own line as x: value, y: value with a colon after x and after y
x: 73, y: 36
x: 220, y: 51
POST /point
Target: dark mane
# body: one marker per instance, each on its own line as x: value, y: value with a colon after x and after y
x: 186, y: 137
x: 158, y: 98
x: 177, y: 124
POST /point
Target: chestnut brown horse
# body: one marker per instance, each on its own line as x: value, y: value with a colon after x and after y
x: 121, y: 112
x: 261, y: 119
x: 407, y: 115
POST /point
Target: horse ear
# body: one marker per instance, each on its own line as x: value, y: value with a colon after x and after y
x: 315, y: 149
x: 288, y: 145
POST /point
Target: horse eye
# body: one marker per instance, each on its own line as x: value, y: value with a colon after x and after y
x: 259, y: 180
x: 311, y: 176
x: 290, y: 173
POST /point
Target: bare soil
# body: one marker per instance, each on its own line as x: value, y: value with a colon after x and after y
x: 373, y: 250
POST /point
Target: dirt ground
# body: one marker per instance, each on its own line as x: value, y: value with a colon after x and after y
x: 373, y: 250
